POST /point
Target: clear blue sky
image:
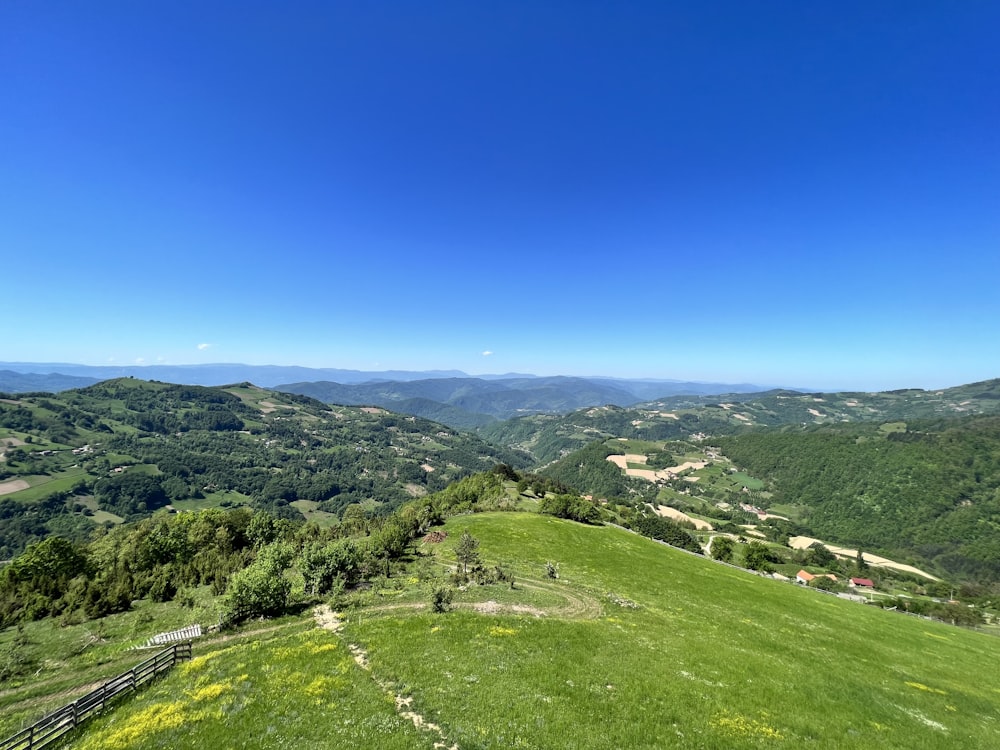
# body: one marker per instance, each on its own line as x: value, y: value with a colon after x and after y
x: 802, y: 193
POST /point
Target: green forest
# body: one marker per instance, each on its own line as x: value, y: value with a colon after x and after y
x: 928, y: 491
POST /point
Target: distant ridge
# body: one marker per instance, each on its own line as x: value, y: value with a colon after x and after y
x: 475, y: 402
x: 265, y: 376
x: 270, y: 376
x: 19, y: 382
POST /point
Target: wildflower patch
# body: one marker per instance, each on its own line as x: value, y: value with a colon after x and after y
x: 735, y: 725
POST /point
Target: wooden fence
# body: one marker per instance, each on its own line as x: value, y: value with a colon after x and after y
x: 56, y: 724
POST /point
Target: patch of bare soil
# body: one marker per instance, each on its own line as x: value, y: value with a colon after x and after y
x: 495, y: 608
x: 676, y: 515
x: 15, y: 485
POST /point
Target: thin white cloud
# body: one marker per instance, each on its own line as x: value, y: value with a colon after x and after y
x: 139, y: 360
x: 203, y: 347
x: 487, y: 353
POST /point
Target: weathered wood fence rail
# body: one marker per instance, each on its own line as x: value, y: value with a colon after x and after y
x: 50, y: 728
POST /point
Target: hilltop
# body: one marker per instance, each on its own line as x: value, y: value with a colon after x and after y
x: 628, y: 643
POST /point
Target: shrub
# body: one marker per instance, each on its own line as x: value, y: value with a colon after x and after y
x: 441, y: 598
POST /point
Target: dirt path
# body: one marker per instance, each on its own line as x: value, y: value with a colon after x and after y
x: 579, y: 605
x: 327, y: 619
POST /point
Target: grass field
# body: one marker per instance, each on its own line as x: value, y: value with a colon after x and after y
x: 212, y: 500
x: 310, y: 511
x: 297, y: 687
x: 635, y: 645
x: 42, y: 486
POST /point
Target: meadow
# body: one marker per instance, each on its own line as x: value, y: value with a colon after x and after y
x: 634, y: 645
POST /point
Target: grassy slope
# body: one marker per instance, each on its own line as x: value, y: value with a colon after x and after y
x: 712, y: 657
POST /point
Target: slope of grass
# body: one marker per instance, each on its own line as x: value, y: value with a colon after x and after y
x: 635, y: 645
x: 710, y: 657
x: 298, y: 688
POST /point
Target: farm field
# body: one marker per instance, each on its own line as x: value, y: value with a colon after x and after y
x: 634, y: 645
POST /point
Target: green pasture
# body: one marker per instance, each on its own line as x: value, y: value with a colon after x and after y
x: 739, y: 479
x: 634, y: 645
x: 710, y: 657
x: 212, y: 500
x: 120, y: 459
x: 67, y: 657
x: 789, y: 510
x: 636, y: 446
x: 97, y: 515
x: 311, y: 512
x: 298, y: 687
x: 41, y: 486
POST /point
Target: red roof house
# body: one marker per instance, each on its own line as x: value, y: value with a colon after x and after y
x: 803, y: 577
x: 866, y: 583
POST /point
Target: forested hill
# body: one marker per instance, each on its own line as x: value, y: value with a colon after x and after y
x: 547, y: 437
x: 929, y: 489
x: 121, y: 449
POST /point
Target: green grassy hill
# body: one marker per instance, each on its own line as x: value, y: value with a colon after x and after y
x: 635, y: 645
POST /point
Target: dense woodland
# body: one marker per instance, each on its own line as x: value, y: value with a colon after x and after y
x: 926, y: 491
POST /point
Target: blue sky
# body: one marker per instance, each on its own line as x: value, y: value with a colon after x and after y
x: 801, y: 193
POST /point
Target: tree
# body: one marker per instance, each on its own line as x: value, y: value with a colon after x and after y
x: 859, y: 562
x: 757, y: 556
x: 569, y: 506
x: 325, y: 566
x: 820, y: 556
x: 467, y: 551
x: 260, y: 590
x: 826, y: 584
x: 722, y: 548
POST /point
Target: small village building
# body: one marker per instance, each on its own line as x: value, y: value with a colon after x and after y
x: 862, y: 582
x: 803, y: 577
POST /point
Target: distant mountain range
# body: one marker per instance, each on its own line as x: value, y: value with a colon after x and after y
x: 264, y: 376
x: 447, y: 396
